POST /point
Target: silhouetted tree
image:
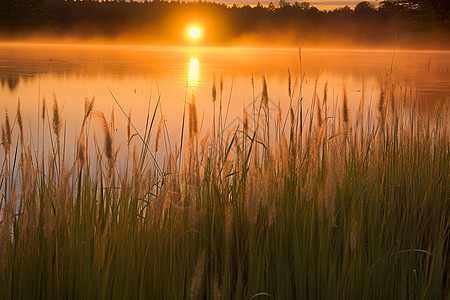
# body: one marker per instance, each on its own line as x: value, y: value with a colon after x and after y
x: 302, y: 5
x: 283, y: 4
x: 438, y: 10
x: 23, y: 14
x: 271, y: 7
x: 162, y: 21
x: 364, y: 8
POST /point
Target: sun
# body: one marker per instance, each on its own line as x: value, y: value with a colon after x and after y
x: 194, y: 32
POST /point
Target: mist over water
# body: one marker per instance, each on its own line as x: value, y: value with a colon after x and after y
x: 138, y: 75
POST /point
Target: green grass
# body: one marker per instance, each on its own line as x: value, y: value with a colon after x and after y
x: 315, y: 209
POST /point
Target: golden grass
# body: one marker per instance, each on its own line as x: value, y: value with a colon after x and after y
x: 324, y: 212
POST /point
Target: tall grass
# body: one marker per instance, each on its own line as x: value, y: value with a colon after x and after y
x: 350, y: 209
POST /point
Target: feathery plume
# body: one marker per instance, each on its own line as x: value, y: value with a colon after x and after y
x: 43, y: 109
x: 245, y: 121
x: 291, y: 113
x: 393, y: 108
x: 7, y: 131
x: 88, y: 108
x: 381, y: 109
x: 289, y: 83
x: 197, y: 278
x: 4, y: 140
x: 27, y: 172
x: 5, y: 231
x: 345, y: 107
x: 81, y: 148
x: 129, y: 127
x: 279, y: 113
x: 264, y: 94
x: 112, y: 122
x: 56, y: 118
x: 381, y: 103
x: 158, y: 133
x: 20, y: 120
x: 193, y: 120
x: 108, y: 137
x: 214, y: 92
x: 319, y: 113
x: 300, y: 54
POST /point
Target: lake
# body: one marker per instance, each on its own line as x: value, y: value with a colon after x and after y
x: 138, y: 75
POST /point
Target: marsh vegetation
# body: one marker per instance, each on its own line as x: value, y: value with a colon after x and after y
x: 300, y: 202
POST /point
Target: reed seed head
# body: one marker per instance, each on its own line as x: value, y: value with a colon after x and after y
x: 56, y: 118
x: 393, y: 108
x: 129, y: 127
x: 279, y: 113
x: 197, y: 278
x: 289, y: 83
x: 20, y: 120
x: 381, y: 103
x: 112, y: 123
x: 158, y: 133
x: 4, y: 140
x: 7, y: 130
x: 43, y: 109
x: 264, y: 94
x: 345, y: 107
x: 292, y: 116
x: 107, y: 137
x: 214, y: 92
x: 88, y: 108
x: 319, y: 112
x: 193, y: 120
x: 245, y: 121
x: 81, y: 149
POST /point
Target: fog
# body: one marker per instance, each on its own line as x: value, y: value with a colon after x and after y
x: 286, y: 25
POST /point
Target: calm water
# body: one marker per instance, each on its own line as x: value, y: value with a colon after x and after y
x: 137, y: 76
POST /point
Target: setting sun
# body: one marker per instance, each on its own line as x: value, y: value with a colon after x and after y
x: 225, y: 149
x: 194, y: 32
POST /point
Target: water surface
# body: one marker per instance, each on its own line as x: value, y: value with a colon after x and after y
x: 138, y: 75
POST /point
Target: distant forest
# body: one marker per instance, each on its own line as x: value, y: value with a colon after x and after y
x: 414, y: 23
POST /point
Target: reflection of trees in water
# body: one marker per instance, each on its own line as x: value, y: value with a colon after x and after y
x: 11, y: 81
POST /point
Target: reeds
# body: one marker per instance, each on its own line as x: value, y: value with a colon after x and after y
x: 342, y: 217
x: 193, y: 119
x: 6, y: 134
x: 20, y: 121
x: 57, y: 123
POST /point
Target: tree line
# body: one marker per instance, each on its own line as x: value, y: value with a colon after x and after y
x: 162, y: 21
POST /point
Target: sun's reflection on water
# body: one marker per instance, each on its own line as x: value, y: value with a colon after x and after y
x: 194, y: 72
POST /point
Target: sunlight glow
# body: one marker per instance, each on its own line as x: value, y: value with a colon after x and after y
x: 194, y: 32
x: 194, y: 72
